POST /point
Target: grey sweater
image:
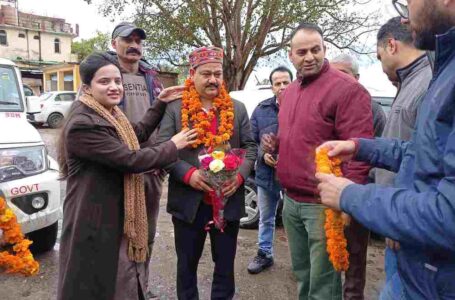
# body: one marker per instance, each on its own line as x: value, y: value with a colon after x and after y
x: 414, y: 81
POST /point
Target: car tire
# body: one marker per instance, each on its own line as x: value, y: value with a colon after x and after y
x: 43, y: 239
x: 251, y: 221
x: 55, y: 120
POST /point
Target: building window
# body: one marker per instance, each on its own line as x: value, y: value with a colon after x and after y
x: 36, y: 37
x: 57, y: 46
x: 22, y: 35
x: 68, y: 83
x: 3, y: 40
x: 54, y: 82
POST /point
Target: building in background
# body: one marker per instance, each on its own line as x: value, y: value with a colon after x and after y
x: 168, y: 78
x: 35, y: 42
x: 65, y: 77
x: 41, y: 47
x: 61, y: 77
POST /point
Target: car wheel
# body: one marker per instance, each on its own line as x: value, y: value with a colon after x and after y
x: 55, y: 120
x: 43, y: 239
x: 251, y: 221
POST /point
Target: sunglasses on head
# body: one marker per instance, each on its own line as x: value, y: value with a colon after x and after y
x: 401, y: 7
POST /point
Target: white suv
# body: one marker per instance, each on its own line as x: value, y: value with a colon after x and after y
x: 28, y: 175
x: 54, y: 108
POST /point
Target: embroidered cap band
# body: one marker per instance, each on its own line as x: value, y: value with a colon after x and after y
x: 205, y: 55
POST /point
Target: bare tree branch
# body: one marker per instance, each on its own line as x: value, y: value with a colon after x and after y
x: 247, y: 30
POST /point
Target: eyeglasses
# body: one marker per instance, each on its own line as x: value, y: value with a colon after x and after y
x: 401, y: 8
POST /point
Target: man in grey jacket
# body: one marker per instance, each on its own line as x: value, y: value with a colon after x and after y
x: 190, y: 201
x: 410, y: 67
x: 141, y: 88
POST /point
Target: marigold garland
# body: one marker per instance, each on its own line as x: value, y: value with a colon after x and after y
x: 193, y: 113
x: 19, y: 259
x: 334, y: 223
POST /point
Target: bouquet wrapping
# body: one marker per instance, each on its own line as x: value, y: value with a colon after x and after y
x: 220, y: 165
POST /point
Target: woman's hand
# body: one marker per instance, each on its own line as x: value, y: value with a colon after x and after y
x: 345, y: 150
x: 184, y: 138
x: 171, y: 93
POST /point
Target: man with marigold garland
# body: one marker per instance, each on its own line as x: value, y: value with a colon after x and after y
x: 323, y: 103
x: 206, y: 106
x: 418, y: 211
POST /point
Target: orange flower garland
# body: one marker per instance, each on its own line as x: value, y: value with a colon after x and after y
x: 334, y: 223
x: 20, y: 259
x: 193, y: 113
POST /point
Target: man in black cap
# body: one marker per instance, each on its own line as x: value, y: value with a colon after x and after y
x: 141, y: 88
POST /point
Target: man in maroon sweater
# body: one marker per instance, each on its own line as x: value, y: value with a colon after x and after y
x: 322, y: 104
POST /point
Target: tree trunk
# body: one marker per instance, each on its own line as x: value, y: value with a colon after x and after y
x: 232, y: 76
x: 237, y: 77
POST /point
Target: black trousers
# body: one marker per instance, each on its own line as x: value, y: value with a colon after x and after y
x: 189, y: 244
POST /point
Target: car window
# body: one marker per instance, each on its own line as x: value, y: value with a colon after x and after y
x: 10, y: 98
x: 385, y: 102
x: 28, y: 91
x: 68, y: 97
x: 45, y: 96
x: 65, y: 97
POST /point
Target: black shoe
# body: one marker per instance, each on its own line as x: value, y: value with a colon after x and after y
x: 260, y: 263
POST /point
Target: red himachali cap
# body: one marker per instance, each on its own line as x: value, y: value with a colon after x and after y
x: 204, y: 55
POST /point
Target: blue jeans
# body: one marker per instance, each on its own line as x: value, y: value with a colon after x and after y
x: 390, y: 264
x: 268, y: 203
x: 393, y: 288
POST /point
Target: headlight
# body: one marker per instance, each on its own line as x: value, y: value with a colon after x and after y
x: 16, y: 163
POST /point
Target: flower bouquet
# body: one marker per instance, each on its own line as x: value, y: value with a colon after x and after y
x: 220, y: 165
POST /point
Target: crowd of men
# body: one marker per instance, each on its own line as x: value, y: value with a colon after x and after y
x: 408, y: 197
x: 407, y: 67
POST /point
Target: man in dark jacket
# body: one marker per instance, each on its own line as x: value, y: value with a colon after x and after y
x: 402, y: 62
x: 349, y: 65
x: 356, y: 234
x: 419, y: 210
x: 189, y: 200
x: 141, y: 88
x: 265, y: 120
x: 321, y: 105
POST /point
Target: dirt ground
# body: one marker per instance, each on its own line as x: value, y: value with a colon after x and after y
x: 275, y: 283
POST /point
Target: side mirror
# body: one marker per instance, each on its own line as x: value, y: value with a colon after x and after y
x: 33, y: 104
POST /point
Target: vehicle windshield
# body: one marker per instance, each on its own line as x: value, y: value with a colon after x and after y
x: 10, y: 96
x: 45, y: 96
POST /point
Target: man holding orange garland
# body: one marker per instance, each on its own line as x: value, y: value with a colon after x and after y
x: 321, y: 104
x: 206, y: 106
x: 418, y: 211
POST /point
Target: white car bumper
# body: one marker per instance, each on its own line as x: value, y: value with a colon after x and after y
x: 45, y: 184
x: 38, y: 118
